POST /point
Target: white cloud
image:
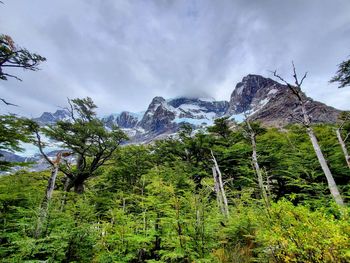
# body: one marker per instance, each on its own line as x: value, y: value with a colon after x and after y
x: 123, y: 53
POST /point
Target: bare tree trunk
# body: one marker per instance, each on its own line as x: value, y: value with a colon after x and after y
x: 343, y: 146
x: 46, y: 201
x: 51, y: 183
x: 257, y: 169
x: 217, y: 191
x: 327, y: 172
x: 221, y: 185
x: 296, y: 90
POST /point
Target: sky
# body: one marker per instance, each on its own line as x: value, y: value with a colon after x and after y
x: 124, y: 53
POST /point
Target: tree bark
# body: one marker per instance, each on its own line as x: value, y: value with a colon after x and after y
x: 45, y: 203
x: 79, y: 187
x: 296, y: 90
x: 221, y: 186
x: 257, y: 169
x: 343, y: 147
x: 217, y: 191
x: 327, y: 172
x: 51, y: 183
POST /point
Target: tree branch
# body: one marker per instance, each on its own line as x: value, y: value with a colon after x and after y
x: 41, y: 149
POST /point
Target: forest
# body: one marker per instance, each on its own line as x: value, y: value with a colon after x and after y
x: 231, y: 192
x: 194, y: 198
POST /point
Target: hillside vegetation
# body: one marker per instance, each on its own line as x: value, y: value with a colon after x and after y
x: 157, y: 203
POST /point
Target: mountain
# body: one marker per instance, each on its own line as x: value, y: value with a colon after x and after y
x: 260, y: 98
x: 164, y: 115
x: 50, y: 118
x: 272, y: 103
x: 124, y: 119
x: 11, y: 157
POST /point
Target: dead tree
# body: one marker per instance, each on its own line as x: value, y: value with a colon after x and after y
x: 306, y: 121
x: 43, y: 211
x: 219, y: 187
x: 251, y: 134
x: 342, y: 140
x: 217, y: 190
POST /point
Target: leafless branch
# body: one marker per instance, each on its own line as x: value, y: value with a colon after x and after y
x: 70, y: 109
x: 41, y: 148
x: 295, y: 76
x: 280, y: 78
x: 8, y: 103
x: 303, y: 78
x: 11, y: 76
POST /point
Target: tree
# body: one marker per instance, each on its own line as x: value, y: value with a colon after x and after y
x: 251, y: 133
x: 221, y: 127
x: 342, y: 76
x: 219, y: 187
x: 88, y: 139
x: 13, y: 131
x: 12, y: 56
x: 302, y: 100
x: 343, y: 133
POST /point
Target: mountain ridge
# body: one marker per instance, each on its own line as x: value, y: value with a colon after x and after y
x: 261, y: 98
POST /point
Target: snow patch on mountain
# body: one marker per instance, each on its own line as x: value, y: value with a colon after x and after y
x: 272, y: 91
x: 31, y: 150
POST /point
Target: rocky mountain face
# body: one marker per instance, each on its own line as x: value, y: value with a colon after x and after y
x: 272, y: 103
x: 158, y: 117
x: 168, y: 115
x: 50, y: 118
x: 124, y: 119
x: 260, y: 98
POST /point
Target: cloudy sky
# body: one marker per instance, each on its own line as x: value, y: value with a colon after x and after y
x: 123, y: 53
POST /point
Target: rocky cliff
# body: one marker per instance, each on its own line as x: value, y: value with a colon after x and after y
x: 260, y: 98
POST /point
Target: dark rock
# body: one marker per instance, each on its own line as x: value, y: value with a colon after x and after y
x: 48, y: 118
x: 273, y: 103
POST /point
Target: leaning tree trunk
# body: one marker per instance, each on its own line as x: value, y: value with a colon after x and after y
x: 217, y: 191
x: 258, y: 170
x: 343, y: 146
x: 300, y: 96
x: 221, y: 186
x: 327, y: 172
x: 46, y: 201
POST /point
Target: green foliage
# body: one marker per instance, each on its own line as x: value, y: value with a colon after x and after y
x: 13, y: 131
x: 16, y: 57
x: 295, y: 234
x: 343, y: 74
x: 221, y: 127
x: 87, y: 137
x: 155, y: 203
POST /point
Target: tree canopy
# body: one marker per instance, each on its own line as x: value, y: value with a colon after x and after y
x: 87, y: 137
x: 342, y: 76
x: 13, y: 56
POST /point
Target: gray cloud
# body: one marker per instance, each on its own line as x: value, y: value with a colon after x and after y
x: 123, y: 53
